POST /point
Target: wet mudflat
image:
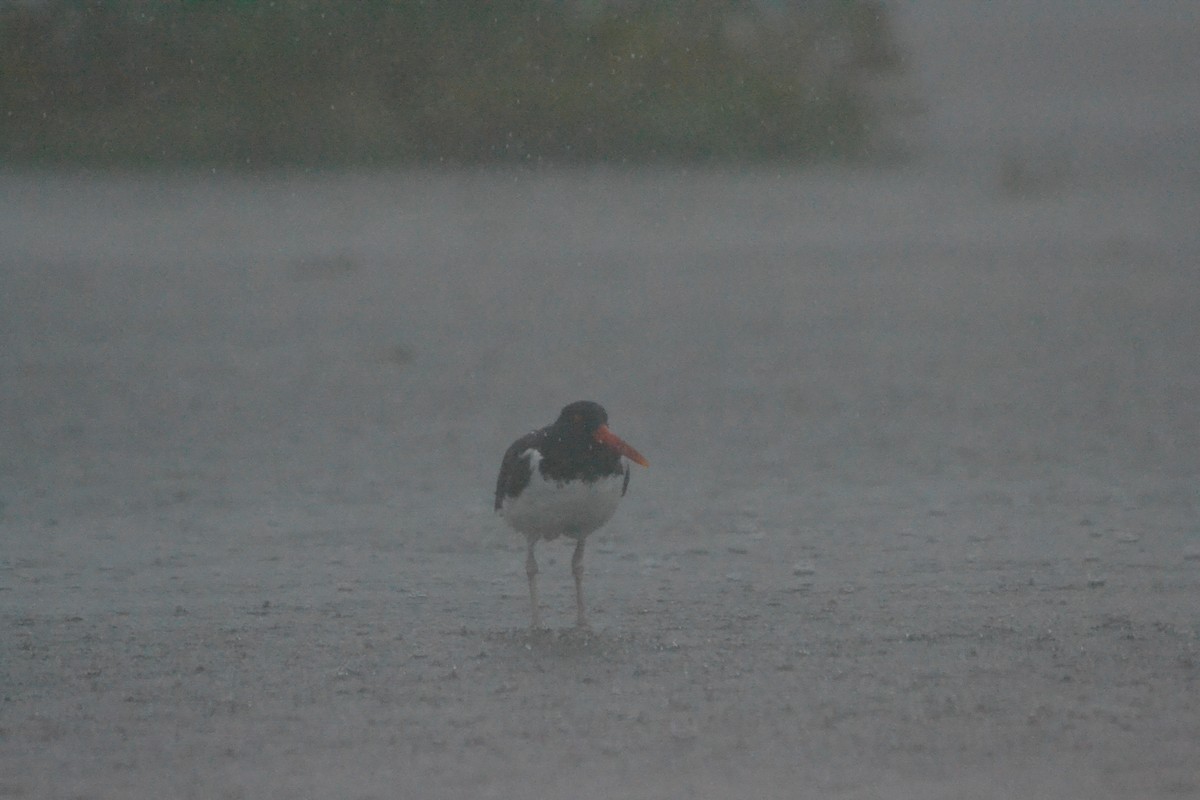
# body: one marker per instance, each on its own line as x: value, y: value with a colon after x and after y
x: 920, y: 521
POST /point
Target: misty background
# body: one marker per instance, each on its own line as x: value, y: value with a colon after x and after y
x: 256, y: 85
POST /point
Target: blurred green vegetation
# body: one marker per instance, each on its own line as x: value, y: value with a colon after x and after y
x: 322, y: 82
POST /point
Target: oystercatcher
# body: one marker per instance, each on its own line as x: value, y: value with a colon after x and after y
x: 564, y: 480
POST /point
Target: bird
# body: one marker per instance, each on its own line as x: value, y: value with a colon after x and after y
x: 565, y: 479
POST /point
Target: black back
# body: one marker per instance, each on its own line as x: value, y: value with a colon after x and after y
x: 569, y: 452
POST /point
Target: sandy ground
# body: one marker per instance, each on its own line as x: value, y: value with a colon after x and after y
x: 921, y: 520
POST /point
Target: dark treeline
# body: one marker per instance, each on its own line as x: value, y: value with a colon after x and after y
x: 326, y: 82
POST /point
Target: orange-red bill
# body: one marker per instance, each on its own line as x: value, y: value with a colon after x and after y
x: 606, y: 437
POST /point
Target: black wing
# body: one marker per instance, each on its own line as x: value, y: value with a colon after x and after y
x: 514, y: 470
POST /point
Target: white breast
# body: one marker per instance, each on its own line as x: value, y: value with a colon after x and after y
x: 548, y: 508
